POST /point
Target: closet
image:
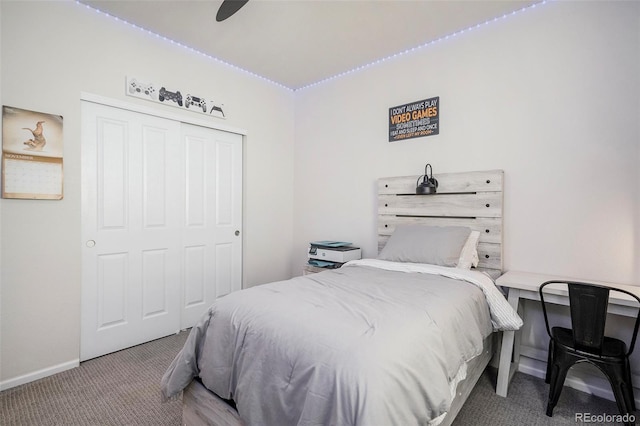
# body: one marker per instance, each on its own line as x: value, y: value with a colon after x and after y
x: 161, y: 224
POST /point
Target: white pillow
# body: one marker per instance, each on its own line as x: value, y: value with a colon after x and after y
x: 469, y: 254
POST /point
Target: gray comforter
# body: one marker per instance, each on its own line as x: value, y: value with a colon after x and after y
x: 352, y: 346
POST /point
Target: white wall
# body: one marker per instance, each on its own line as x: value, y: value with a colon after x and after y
x: 0, y: 198
x: 551, y: 96
x: 45, y: 67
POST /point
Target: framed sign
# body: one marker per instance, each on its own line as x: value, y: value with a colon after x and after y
x: 414, y: 120
x: 31, y: 154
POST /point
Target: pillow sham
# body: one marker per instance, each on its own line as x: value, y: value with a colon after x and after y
x: 469, y: 254
x: 435, y: 245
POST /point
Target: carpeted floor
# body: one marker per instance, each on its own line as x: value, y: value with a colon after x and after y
x: 123, y: 389
x: 526, y: 404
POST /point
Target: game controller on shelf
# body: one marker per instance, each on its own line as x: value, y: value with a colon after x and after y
x: 171, y: 96
x: 135, y: 87
x: 194, y: 100
x: 217, y: 108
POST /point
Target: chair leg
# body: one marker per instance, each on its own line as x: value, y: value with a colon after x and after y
x: 559, y: 371
x: 631, y: 400
x: 627, y: 387
x: 617, y: 375
x: 555, y: 391
x: 547, y: 377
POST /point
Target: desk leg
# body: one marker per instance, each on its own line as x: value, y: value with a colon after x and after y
x: 504, y: 367
x: 517, y: 336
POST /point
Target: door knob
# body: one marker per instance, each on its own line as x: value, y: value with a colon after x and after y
x: 237, y: 233
x: 91, y: 243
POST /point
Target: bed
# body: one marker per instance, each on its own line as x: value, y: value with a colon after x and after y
x: 400, y: 339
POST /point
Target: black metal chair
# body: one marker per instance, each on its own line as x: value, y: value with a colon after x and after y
x: 585, y: 342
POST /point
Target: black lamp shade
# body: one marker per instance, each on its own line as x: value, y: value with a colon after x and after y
x: 426, y: 188
x: 429, y: 184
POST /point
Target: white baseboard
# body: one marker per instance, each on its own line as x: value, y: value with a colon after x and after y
x: 40, y: 374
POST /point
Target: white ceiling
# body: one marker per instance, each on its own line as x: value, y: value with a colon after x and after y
x: 300, y: 42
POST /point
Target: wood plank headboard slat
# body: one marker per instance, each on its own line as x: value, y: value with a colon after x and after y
x: 482, y: 204
x: 490, y: 227
x: 447, y: 183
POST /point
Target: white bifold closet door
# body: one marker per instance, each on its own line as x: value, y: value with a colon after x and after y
x: 161, y: 221
x: 211, y: 241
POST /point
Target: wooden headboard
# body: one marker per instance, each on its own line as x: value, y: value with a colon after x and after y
x: 472, y: 199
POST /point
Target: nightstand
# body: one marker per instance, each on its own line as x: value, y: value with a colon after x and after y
x: 310, y: 269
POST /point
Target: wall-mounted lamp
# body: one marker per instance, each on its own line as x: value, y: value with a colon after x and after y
x: 429, y: 183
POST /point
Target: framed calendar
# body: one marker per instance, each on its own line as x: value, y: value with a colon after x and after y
x: 32, y: 155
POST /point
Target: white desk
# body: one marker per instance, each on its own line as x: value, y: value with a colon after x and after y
x: 525, y: 285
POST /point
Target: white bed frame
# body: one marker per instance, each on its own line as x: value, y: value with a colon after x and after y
x: 472, y: 199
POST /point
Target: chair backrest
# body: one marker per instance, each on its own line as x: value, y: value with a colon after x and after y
x: 588, y: 305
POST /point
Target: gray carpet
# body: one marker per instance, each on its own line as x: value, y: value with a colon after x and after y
x: 526, y: 404
x: 123, y: 389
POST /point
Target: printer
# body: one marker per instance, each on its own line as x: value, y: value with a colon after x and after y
x: 332, y: 251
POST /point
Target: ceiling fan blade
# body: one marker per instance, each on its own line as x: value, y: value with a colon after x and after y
x: 228, y: 8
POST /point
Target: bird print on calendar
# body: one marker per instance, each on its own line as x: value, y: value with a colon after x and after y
x: 32, y: 154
